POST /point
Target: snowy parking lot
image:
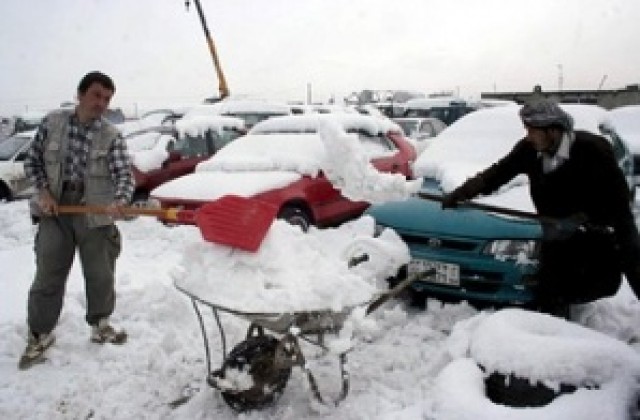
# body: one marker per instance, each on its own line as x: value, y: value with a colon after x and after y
x: 405, y: 363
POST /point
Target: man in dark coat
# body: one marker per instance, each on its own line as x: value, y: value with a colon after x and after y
x: 575, y: 179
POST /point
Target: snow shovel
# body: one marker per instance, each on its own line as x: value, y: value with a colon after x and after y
x: 238, y: 222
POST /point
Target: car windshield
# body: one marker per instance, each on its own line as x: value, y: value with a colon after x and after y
x: 11, y: 145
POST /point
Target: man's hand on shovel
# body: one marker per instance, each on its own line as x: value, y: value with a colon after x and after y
x: 117, y: 209
x: 48, y: 205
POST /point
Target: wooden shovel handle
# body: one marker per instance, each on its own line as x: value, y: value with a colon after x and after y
x: 169, y: 214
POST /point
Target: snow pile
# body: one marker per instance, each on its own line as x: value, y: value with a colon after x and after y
x: 197, y: 125
x: 626, y: 121
x: 349, y: 169
x: 271, y: 281
x: 149, y: 150
x: 606, y: 370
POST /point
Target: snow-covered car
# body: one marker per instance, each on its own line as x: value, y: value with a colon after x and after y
x: 281, y: 161
x: 420, y: 130
x: 28, y: 121
x: 321, y: 109
x: 447, y: 109
x: 252, y: 111
x: 160, y: 154
x: 150, y: 120
x: 479, y: 256
x: 13, y: 150
x: 626, y: 121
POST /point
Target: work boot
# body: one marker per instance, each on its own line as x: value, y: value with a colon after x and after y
x: 37, y: 344
x: 103, y: 332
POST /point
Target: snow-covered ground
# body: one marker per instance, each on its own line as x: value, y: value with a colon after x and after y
x: 405, y: 363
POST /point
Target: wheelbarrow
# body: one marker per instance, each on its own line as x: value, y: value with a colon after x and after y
x: 255, y: 372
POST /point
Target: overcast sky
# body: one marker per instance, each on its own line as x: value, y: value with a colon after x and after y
x: 156, y: 51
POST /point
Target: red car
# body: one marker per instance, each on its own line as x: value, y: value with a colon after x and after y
x: 280, y: 161
x: 163, y: 153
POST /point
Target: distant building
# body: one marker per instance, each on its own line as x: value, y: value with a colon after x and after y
x: 610, y: 98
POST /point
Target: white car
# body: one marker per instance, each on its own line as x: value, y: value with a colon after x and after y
x: 626, y: 121
x: 13, y: 151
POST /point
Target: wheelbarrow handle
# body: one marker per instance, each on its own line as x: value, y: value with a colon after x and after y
x: 380, y: 300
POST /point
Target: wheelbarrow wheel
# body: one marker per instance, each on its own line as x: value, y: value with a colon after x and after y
x: 256, y: 356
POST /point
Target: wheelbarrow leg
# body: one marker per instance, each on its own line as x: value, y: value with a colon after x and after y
x: 205, y: 339
x: 289, y: 353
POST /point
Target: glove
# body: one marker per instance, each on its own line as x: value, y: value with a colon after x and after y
x: 466, y: 191
x: 451, y: 200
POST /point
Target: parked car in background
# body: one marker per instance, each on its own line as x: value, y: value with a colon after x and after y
x: 150, y: 119
x: 280, y: 161
x: 163, y: 153
x: 28, y: 121
x: 6, y: 127
x: 479, y: 256
x: 447, y: 109
x: 420, y: 130
x: 13, y: 151
x: 252, y: 111
x: 297, y: 109
x: 626, y: 121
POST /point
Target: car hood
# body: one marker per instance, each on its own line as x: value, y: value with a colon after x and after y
x: 419, y: 216
x: 210, y: 185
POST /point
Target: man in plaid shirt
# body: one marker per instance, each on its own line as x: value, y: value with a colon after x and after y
x: 77, y: 158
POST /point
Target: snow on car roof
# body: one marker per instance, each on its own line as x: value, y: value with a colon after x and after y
x: 626, y: 121
x: 302, y: 153
x: 482, y: 137
x: 196, y: 125
x: 425, y: 103
x: 311, y: 122
x: 238, y: 106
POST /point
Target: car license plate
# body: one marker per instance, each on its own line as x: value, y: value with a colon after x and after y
x: 448, y: 274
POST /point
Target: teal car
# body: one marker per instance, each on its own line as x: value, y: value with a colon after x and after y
x: 479, y: 256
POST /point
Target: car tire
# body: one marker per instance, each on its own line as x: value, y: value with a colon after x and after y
x: 295, y: 216
x: 514, y: 391
x: 256, y: 356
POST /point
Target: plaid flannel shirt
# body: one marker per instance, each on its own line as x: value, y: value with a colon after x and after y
x: 75, y: 162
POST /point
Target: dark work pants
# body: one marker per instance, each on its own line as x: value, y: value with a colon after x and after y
x: 56, y: 243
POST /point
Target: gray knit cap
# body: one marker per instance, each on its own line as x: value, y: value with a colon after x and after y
x: 542, y: 114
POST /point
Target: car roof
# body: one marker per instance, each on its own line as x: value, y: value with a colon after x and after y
x: 309, y: 123
x: 439, y: 102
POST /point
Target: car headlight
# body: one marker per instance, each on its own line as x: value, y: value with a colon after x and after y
x: 517, y: 250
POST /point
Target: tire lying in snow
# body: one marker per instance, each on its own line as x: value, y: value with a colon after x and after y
x: 555, y: 367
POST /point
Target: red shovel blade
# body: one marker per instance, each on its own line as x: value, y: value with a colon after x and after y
x: 238, y: 222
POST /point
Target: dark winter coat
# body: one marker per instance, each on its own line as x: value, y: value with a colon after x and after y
x: 587, y: 265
